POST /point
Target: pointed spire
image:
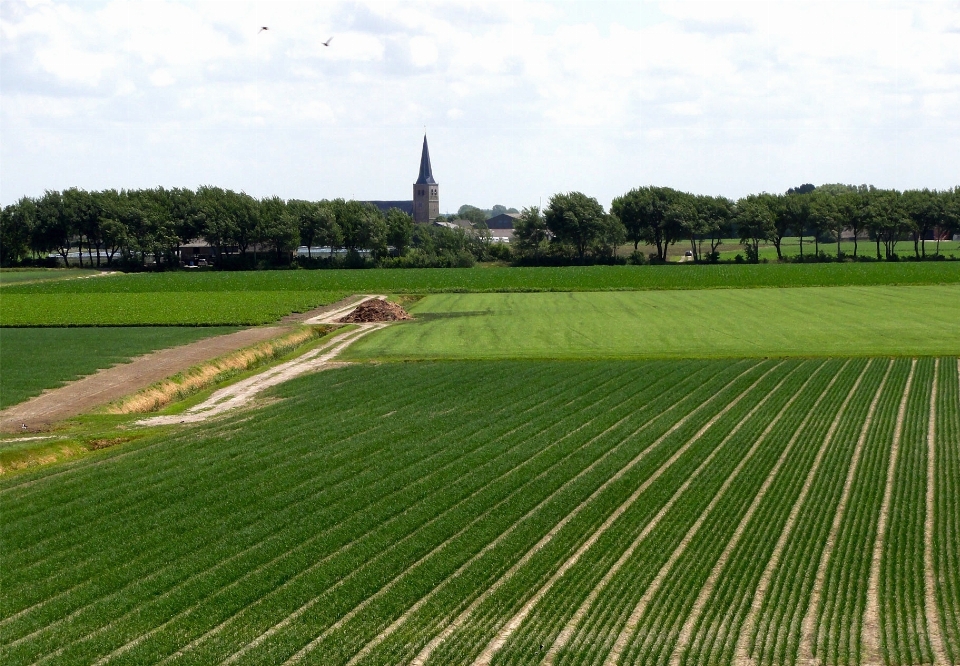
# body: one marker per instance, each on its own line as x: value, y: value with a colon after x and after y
x: 426, y: 171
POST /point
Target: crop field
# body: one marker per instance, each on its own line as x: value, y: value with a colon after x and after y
x: 511, y: 512
x: 574, y: 278
x: 165, y: 308
x: 813, y: 321
x: 33, y: 359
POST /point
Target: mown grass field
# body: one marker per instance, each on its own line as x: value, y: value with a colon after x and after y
x: 511, y: 513
x: 33, y: 359
x: 815, y: 321
x: 790, y: 247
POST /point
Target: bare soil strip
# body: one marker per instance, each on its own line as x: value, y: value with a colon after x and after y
x: 514, y: 623
x: 816, y: 596
x: 111, y: 384
x: 383, y: 635
x: 633, y: 621
x: 871, y: 616
x: 930, y: 578
x: 428, y: 650
x: 741, y: 655
x: 243, y: 392
x: 706, y: 591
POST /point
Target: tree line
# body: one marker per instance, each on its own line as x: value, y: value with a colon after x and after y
x: 575, y: 226
x: 130, y: 228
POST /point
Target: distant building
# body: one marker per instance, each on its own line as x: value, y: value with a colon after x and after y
x: 502, y: 221
x: 501, y: 227
x: 426, y: 191
x: 384, y: 206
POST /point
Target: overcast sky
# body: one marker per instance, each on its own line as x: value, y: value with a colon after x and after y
x: 519, y: 100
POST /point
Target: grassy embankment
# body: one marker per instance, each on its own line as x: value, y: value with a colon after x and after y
x: 817, y: 321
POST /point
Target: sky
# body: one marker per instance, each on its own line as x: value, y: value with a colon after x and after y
x: 519, y: 100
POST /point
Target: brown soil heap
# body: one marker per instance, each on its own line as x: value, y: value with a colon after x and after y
x: 375, y: 310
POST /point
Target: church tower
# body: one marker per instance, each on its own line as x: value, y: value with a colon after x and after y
x: 426, y: 191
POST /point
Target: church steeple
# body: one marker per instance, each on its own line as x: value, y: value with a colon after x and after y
x: 426, y: 171
x: 426, y: 191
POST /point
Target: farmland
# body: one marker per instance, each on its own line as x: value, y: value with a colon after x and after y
x: 511, y: 512
x: 573, y: 278
x: 169, y: 308
x: 35, y: 359
x: 827, y: 321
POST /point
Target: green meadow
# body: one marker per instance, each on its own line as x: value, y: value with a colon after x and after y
x: 164, y: 308
x: 818, y: 321
x: 10, y: 276
x: 568, y: 278
x: 33, y: 359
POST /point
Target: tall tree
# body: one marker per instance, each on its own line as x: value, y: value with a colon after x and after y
x: 797, y: 213
x: 399, y: 230
x: 530, y: 232
x: 755, y: 222
x: 714, y: 215
x: 53, y: 230
x: 17, y: 222
x: 576, y: 220
x: 783, y: 222
x: 645, y: 213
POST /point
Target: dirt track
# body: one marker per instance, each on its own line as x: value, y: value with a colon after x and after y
x: 114, y: 383
x: 109, y: 384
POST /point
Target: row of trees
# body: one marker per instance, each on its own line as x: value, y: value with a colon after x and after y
x: 132, y: 226
x: 575, y: 226
x: 129, y: 227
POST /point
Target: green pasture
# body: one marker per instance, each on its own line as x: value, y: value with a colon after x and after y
x: 163, y: 308
x: 790, y: 247
x: 365, y: 508
x: 817, y: 321
x: 506, y: 279
x: 9, y: 276
x: 33, y: 359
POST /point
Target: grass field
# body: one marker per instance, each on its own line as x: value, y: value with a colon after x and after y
x: 510, y: 512
x: 33, y: 359
x: 817, y: 321
x: 790, y: 247
x: 10, y: 276
x: 582, y: 278
x: 166, y: 308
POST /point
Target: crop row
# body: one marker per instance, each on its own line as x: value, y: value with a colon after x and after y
x: 946, y: 509
x: 511, y: 513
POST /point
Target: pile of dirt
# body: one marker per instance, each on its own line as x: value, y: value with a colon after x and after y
x: 375, y: 310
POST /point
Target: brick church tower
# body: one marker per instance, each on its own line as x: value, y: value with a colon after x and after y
x: 426, y: 191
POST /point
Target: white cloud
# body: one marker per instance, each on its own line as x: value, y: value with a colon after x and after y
x: 709, y: 96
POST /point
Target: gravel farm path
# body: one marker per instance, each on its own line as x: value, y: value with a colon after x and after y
x: 109, y: 384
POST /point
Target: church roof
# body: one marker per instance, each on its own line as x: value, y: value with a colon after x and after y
x: 426, y: 171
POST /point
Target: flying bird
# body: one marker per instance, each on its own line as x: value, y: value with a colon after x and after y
x: 262, y: 29
x: 327, y: 43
